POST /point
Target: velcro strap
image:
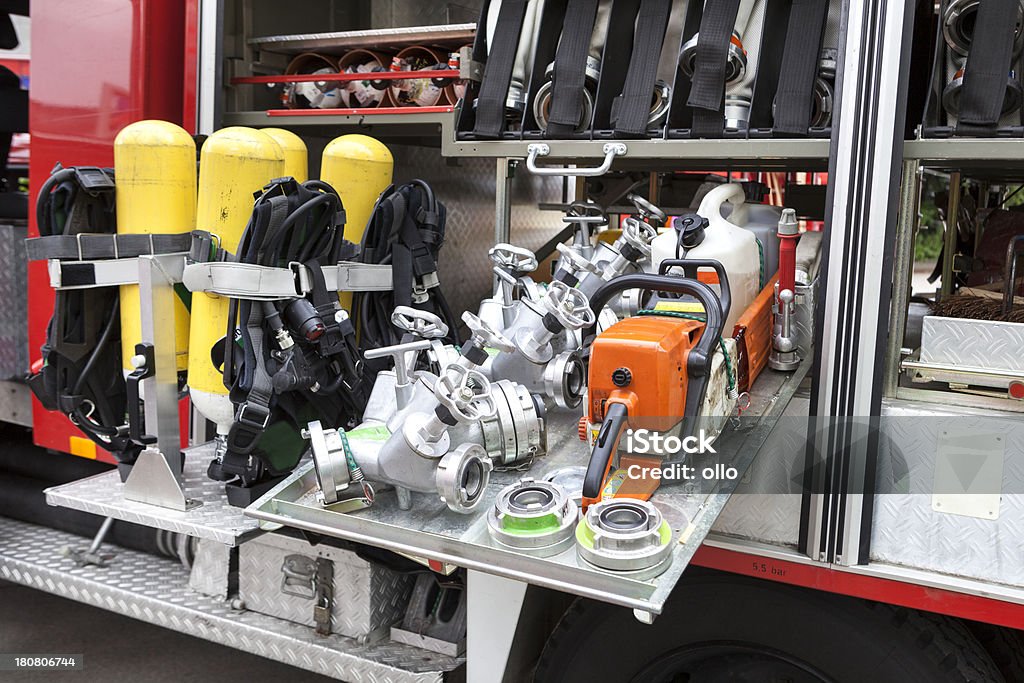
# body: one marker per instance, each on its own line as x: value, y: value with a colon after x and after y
x: 569, y: 76
x: 707, y: 89
x: 266, y: 283
x: 631, y: 110
x: 988, y: 65
x: 800, y: 57
x: 88, y: 246
x: 504, y: 44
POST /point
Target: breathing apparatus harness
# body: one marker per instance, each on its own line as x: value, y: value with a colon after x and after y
x: 81, y: 372
x: 289, y: 360
x: 405, y: 231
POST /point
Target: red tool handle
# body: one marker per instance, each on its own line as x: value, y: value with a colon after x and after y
x: 787, y: 262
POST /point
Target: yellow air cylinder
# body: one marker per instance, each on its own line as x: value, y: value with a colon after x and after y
x: 359, y: 168
x: 234, y: 164
x: 296, y: 160
x: 155, y: 170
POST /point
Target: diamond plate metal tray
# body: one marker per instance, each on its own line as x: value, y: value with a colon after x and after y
x: 155, y: 590
x: 431, y: 530
x: 214, y: 519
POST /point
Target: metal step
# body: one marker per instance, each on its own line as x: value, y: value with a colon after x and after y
x: 155, y: 590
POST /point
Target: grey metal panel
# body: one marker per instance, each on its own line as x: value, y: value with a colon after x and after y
x: 155, y: 590
x: 367, y: 597
x: 14, y: 313
x: 766, y: 505
x: 15, y: 403
x: 103, y: 495
x: 976, y: 343
x: 211, y: 570
x: 907, y: 531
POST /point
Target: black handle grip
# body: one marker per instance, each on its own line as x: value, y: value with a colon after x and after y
x: 616, y: 417
x: 136, y: 419
x: 690, y: 267
x: 698, y: 361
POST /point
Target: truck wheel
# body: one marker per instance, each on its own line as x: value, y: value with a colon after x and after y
x: 721, y: 627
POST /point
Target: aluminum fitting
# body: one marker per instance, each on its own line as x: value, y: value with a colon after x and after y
x: 462, y: 476
x: 565, y: 379
x: 329, y: 461
x: 736, y: 64
x: 625, y: 535
x: 516, y: 431
x: 951, y: 94
x: 737, y: 112
x: 542, y: 100
x: 958, y: 23
x: 533, y: 517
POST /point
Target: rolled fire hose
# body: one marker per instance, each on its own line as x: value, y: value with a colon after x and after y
x: 316, y: 94
x: 744, y: 48
x: 958, y: 27
x: 515, y: 101
x: 368, y: 93
x: 420, y: 92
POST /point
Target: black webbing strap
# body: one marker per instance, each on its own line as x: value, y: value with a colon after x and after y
x: 570, y: 74
x: 707, y: 89
x: 253, y: 414
x: 988, y: 66
x: 501, y: 58
x: 793, y: 99
x: 631, y: 110
x: 87, y: 246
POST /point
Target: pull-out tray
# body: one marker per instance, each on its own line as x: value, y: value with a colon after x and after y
x: 430, y: 530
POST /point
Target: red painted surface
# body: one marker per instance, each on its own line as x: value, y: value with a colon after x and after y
x: 96, y: 67
x: 869, y: 587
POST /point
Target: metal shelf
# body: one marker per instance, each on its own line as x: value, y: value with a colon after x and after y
x: 437, y: 129
x: 214, y: 519
x: 337, y: 43
x: 755, y: 154
x: 424, y: 128
x: 1001, y: 158
x: 155, y: 590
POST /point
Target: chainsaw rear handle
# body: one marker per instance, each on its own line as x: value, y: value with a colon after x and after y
x: 616, y: 417
x: 698, y: 360
x: 690, y: 266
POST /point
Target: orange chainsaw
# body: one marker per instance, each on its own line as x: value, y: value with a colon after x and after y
x: 650, y: 372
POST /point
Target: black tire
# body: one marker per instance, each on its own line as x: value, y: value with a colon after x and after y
x: 719, y: 628
x: 1004, y: 645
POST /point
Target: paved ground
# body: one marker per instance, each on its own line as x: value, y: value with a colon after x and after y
x: 118, y: 649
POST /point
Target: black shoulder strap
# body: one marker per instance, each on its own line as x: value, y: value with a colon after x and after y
x: 707, y: 91
x: 800, y: 57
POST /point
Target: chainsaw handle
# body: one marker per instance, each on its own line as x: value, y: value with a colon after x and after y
x: 616, y: 417
x: 690, y: 266
x: 698, y: 361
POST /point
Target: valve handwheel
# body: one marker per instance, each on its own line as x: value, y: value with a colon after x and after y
x: 639, y: 235
x: 423, y: 324
x: 487, y: 336
x: 465, y: 393
x: 569, y: 305
x: 516, y: 260
x: 578, y: 263
x: 646, y: 209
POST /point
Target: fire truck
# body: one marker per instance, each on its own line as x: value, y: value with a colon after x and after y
x: 856, y: 514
